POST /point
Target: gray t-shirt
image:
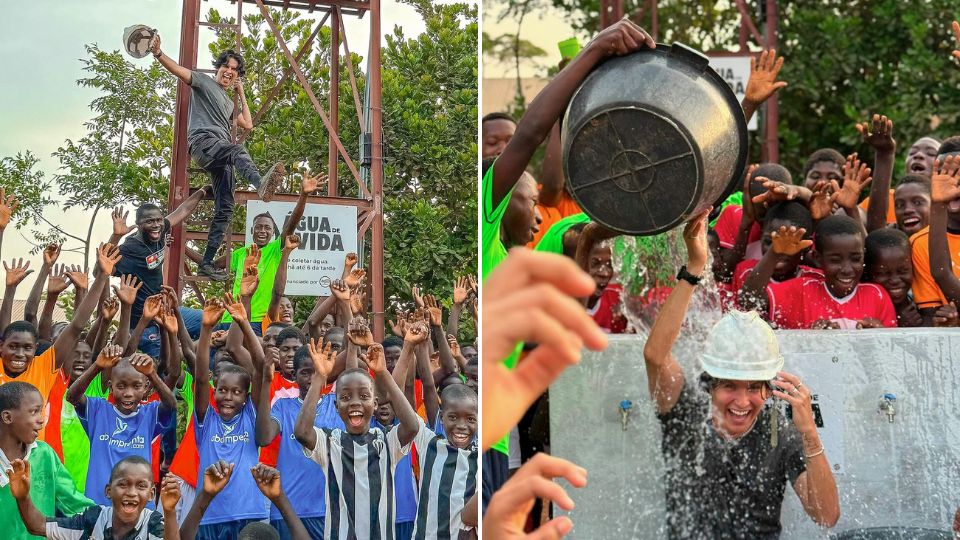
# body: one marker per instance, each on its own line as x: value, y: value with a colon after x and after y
x: 719, y: 489
x: 211, y: 108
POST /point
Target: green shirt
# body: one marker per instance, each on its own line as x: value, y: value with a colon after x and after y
x: 552, y: 240
x: 51, y: 488
x: 493, y: 253
x: 269, y: 264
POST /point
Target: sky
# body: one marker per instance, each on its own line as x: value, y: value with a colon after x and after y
x: 544, y: 29
x: 41, y: 105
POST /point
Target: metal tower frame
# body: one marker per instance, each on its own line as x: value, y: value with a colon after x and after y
x: 370, y: 206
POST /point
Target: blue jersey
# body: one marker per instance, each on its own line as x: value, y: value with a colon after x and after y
x: 404, y: 485
x: 233, y: 442
x: 301, y: 478
x: 114, y: 436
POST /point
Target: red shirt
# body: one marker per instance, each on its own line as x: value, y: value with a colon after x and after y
x: 604, y: 313
x: 798, y: 303
x: 743, y: 270
x: 727, y: 226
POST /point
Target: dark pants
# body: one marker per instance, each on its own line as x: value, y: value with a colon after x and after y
x: 219, y: 158
x: 313, y: 525
x: 496, y: 469
x: 223, y: 531
x: 404, y: 531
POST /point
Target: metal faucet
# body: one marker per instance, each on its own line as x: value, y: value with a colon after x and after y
x: 887, y: 405
x: 625, y: 407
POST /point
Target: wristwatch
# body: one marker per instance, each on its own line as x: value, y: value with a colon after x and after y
x: 688, y: 277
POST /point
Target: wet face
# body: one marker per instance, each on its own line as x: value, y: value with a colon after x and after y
x: 736, y: 405
x: 842, y: 263
x: 227, y: 73
x: 151, y: 225
x: 390, y: 356
x: 17, y: 352
x: 355, y: 402
x: 823, y: 170
x: 25, y: 421
x: 521, y: 220
x: 786, y: 267
x: 496, y: 134
x: 921, y: 156
x: 262, y: 231
x: 911, y: 206
x: 286, y: 310
x: 128, y: 387
x: 288, y: 349
x: 601, y: 267
x: 80, y: 360
x: 460, y: 421
x: 130, y: 490
x: 304, y: 376
x: 326, y: 324
x: 231, y: 394
x: 270, y: 336
x: 892, y: 269
x: 384, y: 413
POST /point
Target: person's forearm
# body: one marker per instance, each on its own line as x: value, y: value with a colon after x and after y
x: 6, y: 308
x: 191, y: 523
x: 174, y: 361
x: 290, y: 517
x: 323, y: 307
x: 409, y: 421
x: 431, y: 401
x: 551, y: 172
x: 167, y: 399
x: 880, y: 191
x: 35, y: 521
x: 749, y: 108
x: 134, y: 341
x: 201, y: 393
x: 265, y: 427
x: 186, y: 208
x: 471, y: 512
x: 45, y: 327
x: 339, y: 364
x: 352, y: 360
x: 123, y: 327
x: 187, y: 347
x: 344, y: 313
x: 303, y: 428
x: 170, y: 529
x: 669, y: 320
x: 446, y: 356
x: 753, y: 294
x: 252, y: 345
x: 33, y: 301
x: 75, y: 393
x: 941, y: 264
x: 100, y: 337
x: 453, y: 319
x: 822, y: 500
x: 244, y: 109
x: 279, y: 285
x: 291, y: 225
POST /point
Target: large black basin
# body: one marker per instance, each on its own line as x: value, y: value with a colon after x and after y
x: 893, y: 533
x: 651, y: 138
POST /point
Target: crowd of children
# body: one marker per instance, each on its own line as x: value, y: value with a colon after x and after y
x: 842, y: 246
x: 231, y: 421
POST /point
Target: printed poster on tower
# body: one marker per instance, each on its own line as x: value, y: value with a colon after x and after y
x: 824, y: 374
x: 327, y: 233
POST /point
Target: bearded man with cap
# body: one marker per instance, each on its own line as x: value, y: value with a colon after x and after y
x: 729, y: 454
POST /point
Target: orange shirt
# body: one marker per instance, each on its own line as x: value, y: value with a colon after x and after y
x: 265, y: 323
x: 891, y: 217
x: 926, y: 292
x: 552, y: 214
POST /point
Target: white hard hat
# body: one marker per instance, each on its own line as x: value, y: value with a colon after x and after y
x: 742, y: 347
x: 137, y: 38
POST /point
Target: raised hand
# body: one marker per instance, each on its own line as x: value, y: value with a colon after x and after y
x: 878, y: 134
x: 909, y: 316
x: 748, y: 212
x: 109, y: 308
x: 143, y: 363
x: 170, y: 296
x: 763, y: 81
x: 349, y: 262
x: 695, y: 237
x: 358, y: 299
x: 417, y: 333
x: 856, y: 177
x: 399, y: 326
x: 253, y: 256
x: 212, y: 312
x: 291, y: 242
x: 620, y: 38
x: 417, y: 299
x: 461, y: 289
x: 119, y: 217
x: 169, y: 493
x: 323, y: 357
x: 234, y: 307
x: 354, y: 278
x: 453, y: 344
x: 8, y: 205
x: 17, y: 271
x: 19, y: 477
x: 77, y: 276
x: 820, y: 202
x: 825, y: 324
x: 249, y: 281
x: 152, y: 306
x: 50, y: 254
x: 155, y: 44
x: 791, y: 389
x: 57, y: 282
x: 775, y: 192
x: 268, y: 480
x: 129, y: 286
x: 359, y: 332
x: 789, y: 241
x: 944, y: 181
x: 473, y: 284
x: 108, y: 255
x: 869, y: 322
x: 109, y: 356
x: 433, y: 310
x: 218, y: 338
x: 946, y: 316
x: 955, y: 53
x: 168, y: 318
x: 340, y: 290
x: 216, y: 476
x: 375, y: 360
x: 312, y: 183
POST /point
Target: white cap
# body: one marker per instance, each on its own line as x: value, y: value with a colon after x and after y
x: 136, y: 40
x: 742, y: 347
